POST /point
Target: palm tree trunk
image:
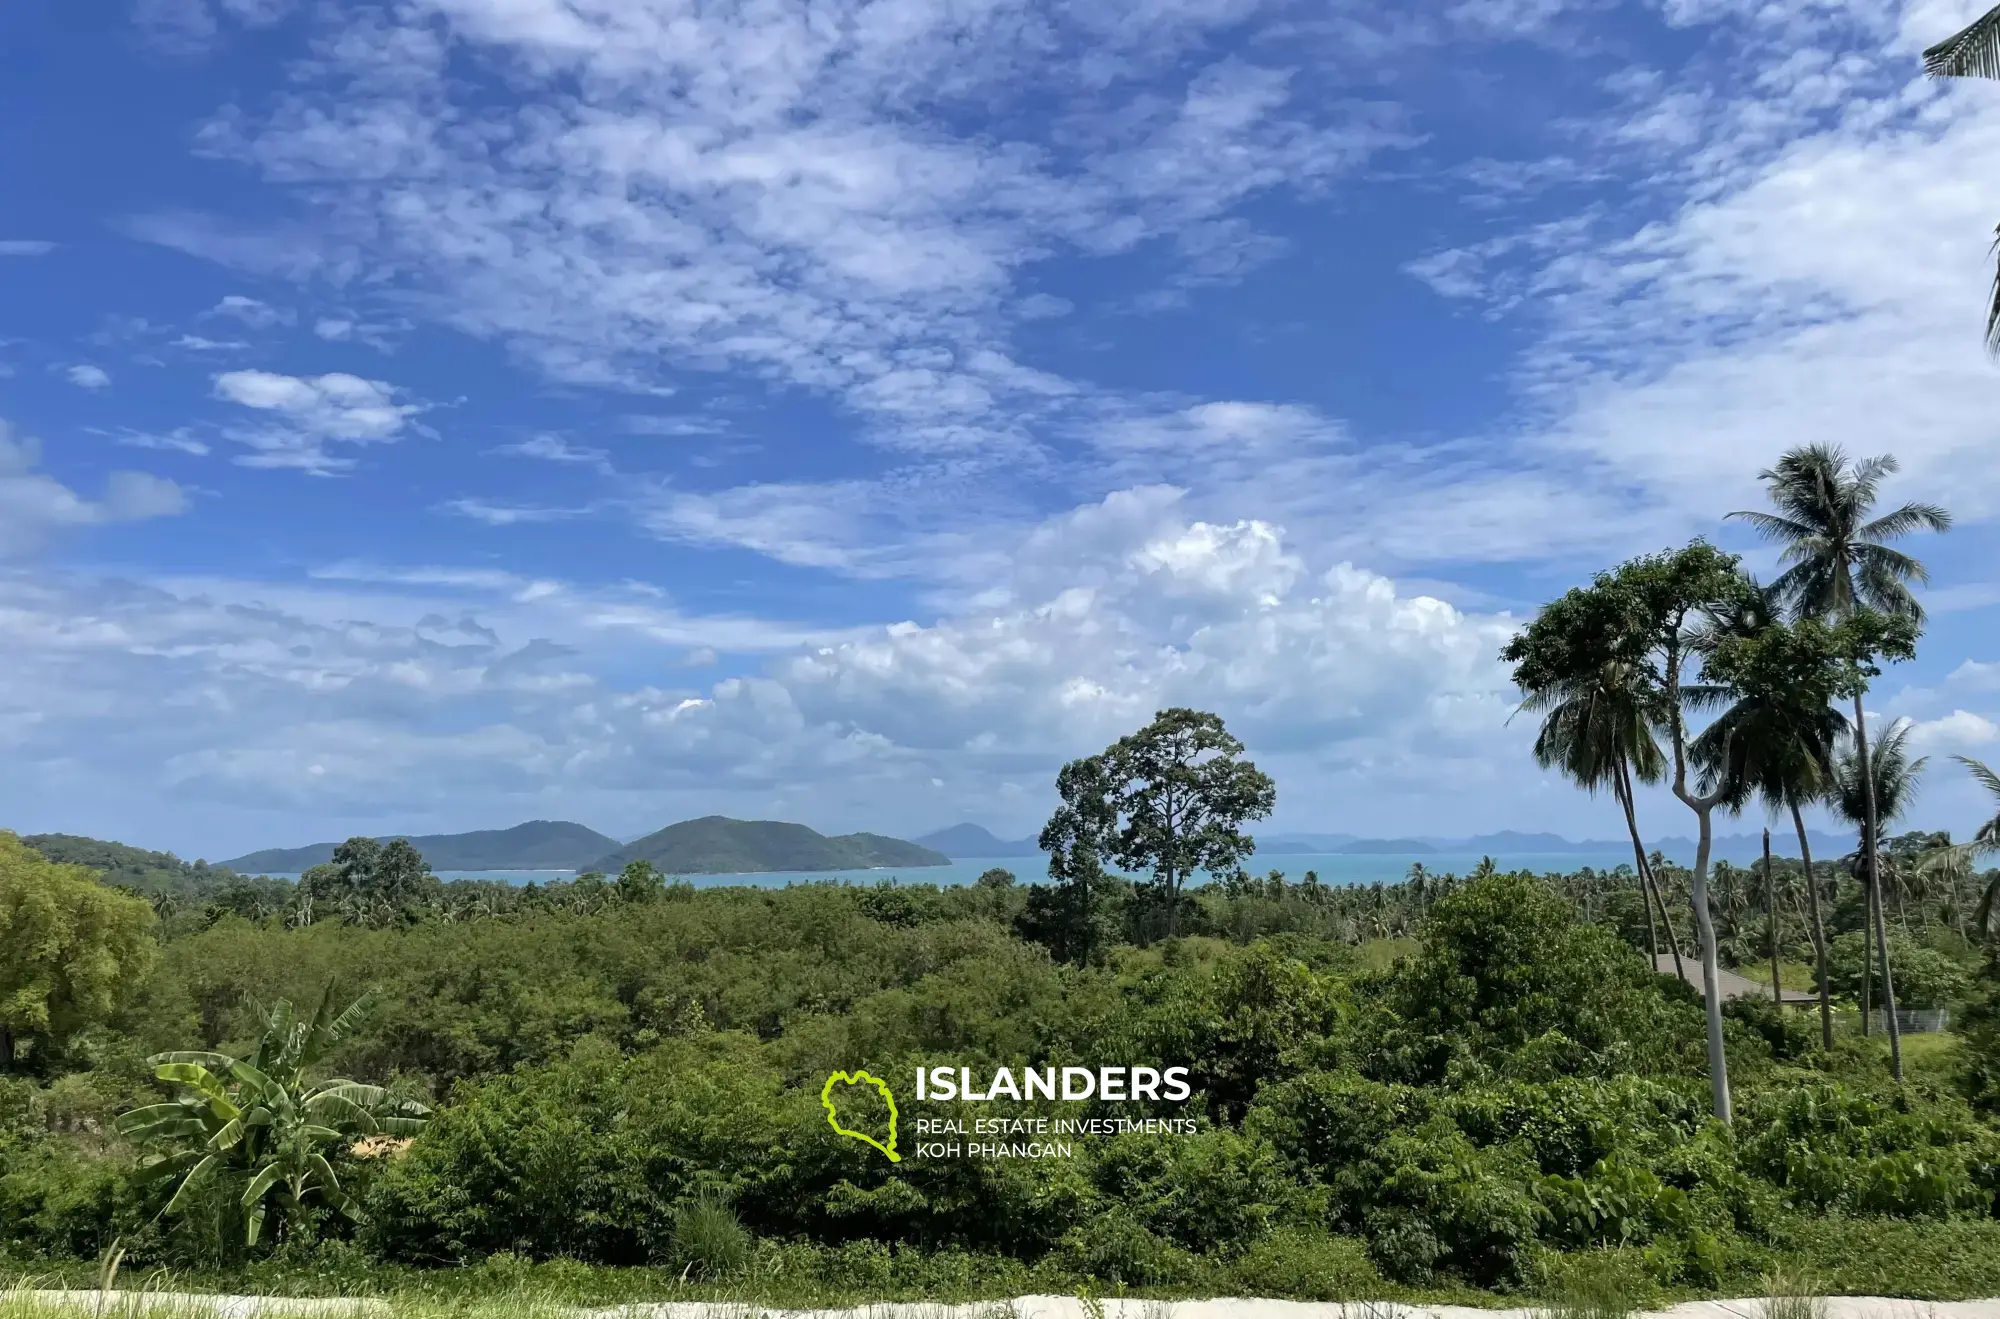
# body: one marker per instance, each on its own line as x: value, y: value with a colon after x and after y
x: 1649, y: 892
x: 1818, y: 931
x: 1718, y: 1062
x: 1771, y: 913
x: 1872, y: 856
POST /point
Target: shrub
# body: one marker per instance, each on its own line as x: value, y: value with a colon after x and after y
x: 708, y: 1241
x: 1306, y: 1265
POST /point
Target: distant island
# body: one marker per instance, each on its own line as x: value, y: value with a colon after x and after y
x: 717, y: 845
x: 536, y: 845
x: 1386, y: 847
x: 975, y: 842
x: 970, y: 840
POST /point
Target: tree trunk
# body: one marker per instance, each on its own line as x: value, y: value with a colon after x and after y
x: 1718, y: 1062
x: 6, y: 1047
x: 1818, y: 931
x: 1173, y: 900
x: 1771, y: 912
x: 1872, y: 858
x: 1647, y: 893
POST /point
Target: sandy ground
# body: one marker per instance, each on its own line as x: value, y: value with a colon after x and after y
x: 1022, y: 1307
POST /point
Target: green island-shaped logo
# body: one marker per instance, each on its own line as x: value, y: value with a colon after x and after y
x: 833, y: 1114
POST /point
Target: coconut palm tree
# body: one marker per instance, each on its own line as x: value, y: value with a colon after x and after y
x: 1974, y: 52
x: 1840, y: 562
x: 1778, y: 751
x: 1955, y: 863
x: 1870, y: 792
x: 1597, y: 734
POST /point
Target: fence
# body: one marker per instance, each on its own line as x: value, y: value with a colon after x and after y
x: 1911, y: 1021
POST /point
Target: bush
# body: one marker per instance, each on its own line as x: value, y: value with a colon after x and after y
x: 708, y: 1241
x: 1306, y: 1265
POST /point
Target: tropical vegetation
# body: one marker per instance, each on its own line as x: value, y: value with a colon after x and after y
x: 1455, y: 1085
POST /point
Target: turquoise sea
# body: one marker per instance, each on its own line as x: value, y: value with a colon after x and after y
x: 1332, y: 868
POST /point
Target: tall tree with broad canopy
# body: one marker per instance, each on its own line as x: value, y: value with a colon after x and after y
x: 71, y: 950
x: 1067, y: 915
x: 1171, y: 799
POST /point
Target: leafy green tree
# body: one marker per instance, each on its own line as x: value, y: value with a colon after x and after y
x: 1841, y: 564
x: 640, y: 881
x: 1507, y: 972
x: 257, y: 1128
x: 1176, y: 794
x: 996, y: 877
x: 1068, y: 915
x: 71, y: 950
x: 370, y: 883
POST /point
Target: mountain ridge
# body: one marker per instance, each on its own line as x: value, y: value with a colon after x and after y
x: 719, y: 845
x: 531, y: 845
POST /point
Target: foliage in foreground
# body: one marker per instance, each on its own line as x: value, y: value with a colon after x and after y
x: 638, y: 1091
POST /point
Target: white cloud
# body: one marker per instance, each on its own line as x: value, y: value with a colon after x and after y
x: 680, y: 426
x: 178, y: 440
x: 25, y: 247
x: 253, y: 312
x: 35, y: 506
x: 309, y: 412
x: 556, y: 449
x: 1977, y: 675
x: 435, y: 689
x: 1800, y: 254
x: 1961, y: 730
x: 86, y: 376
x: 507, y: 515
x: 762, y: 192
x: 196, y: 343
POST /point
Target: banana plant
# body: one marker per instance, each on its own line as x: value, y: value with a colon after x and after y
x: 258, y: 1123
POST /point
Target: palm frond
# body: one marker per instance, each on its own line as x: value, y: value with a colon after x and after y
x: 1971, y: 52
x: 1993, y: 301
x: 1773, y: 527
x: 1981, y: 771
x: 1910, y: 517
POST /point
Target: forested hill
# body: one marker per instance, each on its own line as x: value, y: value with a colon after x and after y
x: 536, y: 845
x: 151, y: 873
x: 717, y: 845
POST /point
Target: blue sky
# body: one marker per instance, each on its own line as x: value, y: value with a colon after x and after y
x: 438, y: 414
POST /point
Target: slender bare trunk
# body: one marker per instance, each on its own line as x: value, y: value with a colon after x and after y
x: 1648, y: 893
x: 1818, y: 930
x: 1771, y: 912
x: 1718, y: 1062
x: 1872, y: 857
